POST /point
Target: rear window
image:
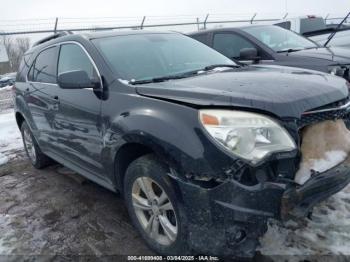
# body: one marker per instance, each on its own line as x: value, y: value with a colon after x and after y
x: 311, y: 24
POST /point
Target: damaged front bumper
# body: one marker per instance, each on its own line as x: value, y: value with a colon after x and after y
x: 229, y: 218
x: 298, y: 201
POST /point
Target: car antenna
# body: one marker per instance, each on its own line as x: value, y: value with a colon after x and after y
x: 330, y: 37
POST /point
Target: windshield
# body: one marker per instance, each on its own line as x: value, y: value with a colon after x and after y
x: 147, y: 56
x: 279, y: 39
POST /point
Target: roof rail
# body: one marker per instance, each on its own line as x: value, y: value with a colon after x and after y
x: 54, y: 36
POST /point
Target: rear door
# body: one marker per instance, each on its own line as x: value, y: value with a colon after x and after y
x: 39, y: 95
x: 80, y: 130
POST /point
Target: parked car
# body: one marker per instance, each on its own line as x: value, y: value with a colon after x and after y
x: 7, y: 80
x: 268, y: 44
x: 315, y: 28
x: 203, y: 150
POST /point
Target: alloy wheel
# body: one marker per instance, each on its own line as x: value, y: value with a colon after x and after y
x: 29, y: 144
x: 154, y: 211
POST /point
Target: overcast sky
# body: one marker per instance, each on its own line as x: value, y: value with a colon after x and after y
x: 13, y: 13
x: 20, y: 9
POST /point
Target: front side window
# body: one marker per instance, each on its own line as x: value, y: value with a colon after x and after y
x: 44, y: 67
x: 148, y: 56
x: 72, y: 58
x: 201, y: 38
x: 230, y: 44
x: 285, y: 25
x: 279, y: 39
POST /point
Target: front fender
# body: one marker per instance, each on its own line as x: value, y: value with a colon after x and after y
x: 171, y: 130
x: 171, y: 136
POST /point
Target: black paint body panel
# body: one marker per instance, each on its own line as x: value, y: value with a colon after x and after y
x: 87, y: 130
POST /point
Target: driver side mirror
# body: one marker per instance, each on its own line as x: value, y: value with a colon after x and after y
x: 77, y: 79
x: 249, y: 54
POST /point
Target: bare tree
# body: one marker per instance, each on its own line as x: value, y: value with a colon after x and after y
x: 15, y: 49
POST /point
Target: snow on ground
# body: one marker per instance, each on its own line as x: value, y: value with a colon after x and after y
x: 6, y: 88
x: 327, y: 233
x: 10, y: 137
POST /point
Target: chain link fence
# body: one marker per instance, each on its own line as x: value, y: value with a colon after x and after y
x: 183, y: 23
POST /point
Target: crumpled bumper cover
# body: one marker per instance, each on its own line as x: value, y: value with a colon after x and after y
x: 229, y: 219
x: 298, y: 201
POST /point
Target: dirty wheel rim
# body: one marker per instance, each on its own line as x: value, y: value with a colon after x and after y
x: 154, y: 211
x: 28, y: 142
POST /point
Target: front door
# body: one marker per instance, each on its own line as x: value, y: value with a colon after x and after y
x: 80, y: 130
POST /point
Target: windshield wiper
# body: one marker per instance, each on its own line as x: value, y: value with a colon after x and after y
x: 163, y: 78
x: 211, y: 67
x: 179, y: 76
x: 289, y: 50
x: 330, y: 37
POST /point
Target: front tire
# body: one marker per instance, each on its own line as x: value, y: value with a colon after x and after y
x: 38, y: 159
x: 154, y: 208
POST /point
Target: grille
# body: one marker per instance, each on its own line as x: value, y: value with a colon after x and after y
x: 312, y: 117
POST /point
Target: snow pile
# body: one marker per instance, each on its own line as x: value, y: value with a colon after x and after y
x: 3, y: 159
x: 5, y: 88
x: 324, y: 146
x: 7, y: 237
x: 10, y: 137
x: 331, y: 159
x: 328, y: 233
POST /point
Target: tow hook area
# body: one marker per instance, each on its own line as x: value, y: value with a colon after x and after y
x: 297, y: 201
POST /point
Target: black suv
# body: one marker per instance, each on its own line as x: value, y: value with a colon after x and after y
x: 273, y: 45
x: 203, y: 150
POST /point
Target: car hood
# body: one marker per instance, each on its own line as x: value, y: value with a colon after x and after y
x: 335, y: 55
x: 282, y: 91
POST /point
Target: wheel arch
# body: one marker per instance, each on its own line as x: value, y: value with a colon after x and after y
x: 19, y: 119
x: 130, y: 152
x: 125, y: 156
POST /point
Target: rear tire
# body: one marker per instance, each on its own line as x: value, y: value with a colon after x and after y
x: 38, y: 159
x: 154, y: 208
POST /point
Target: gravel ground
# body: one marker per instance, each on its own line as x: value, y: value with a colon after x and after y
x: 56, y: 212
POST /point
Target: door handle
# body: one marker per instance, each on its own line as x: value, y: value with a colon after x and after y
x: 56, y: 100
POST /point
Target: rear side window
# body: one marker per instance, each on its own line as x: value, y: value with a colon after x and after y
x: 230, y: 44
x: 44, y: 67
x: 23, y: 68
x: 201, y: 38
x: 73, y: 57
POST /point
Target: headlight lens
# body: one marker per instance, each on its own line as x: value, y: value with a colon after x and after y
x: 247, y: 135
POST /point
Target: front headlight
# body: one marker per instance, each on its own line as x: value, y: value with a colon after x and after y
x: 247, y: 135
